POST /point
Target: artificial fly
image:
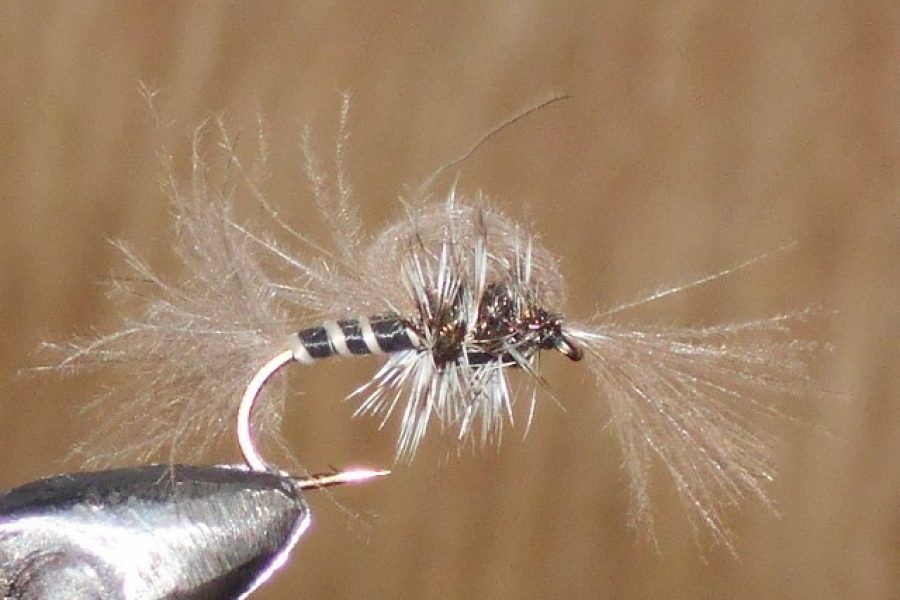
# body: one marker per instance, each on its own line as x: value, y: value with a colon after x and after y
x: 455, y: 297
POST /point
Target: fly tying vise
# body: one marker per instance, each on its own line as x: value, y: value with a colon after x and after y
x: 454, y: 295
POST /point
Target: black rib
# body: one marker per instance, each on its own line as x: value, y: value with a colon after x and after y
x: 315, y: 340
x: 353, y: 335
x: 390, y: 333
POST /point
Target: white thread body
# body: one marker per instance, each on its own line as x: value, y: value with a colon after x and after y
x: 475, y: 296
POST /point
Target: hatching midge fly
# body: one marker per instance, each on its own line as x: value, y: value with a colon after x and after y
x: 470, y: 309
x: 456, y: 297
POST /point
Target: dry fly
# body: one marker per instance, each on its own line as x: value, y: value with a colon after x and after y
x: 455, y: 297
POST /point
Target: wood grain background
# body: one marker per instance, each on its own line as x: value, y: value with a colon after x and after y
x: 699, y: 133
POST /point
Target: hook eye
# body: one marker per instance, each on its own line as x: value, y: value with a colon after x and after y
x: 568, y: 348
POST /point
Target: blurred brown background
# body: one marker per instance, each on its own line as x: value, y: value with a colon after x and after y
x: 699, y: 134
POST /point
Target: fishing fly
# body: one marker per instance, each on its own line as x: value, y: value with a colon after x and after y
x: 456, y: 298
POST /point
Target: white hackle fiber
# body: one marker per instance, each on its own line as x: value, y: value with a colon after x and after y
x: 690, y: 398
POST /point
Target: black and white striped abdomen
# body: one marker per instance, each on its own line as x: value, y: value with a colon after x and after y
x: 353, y: 337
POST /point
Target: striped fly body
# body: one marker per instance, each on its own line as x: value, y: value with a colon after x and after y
x: 455, y: 299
